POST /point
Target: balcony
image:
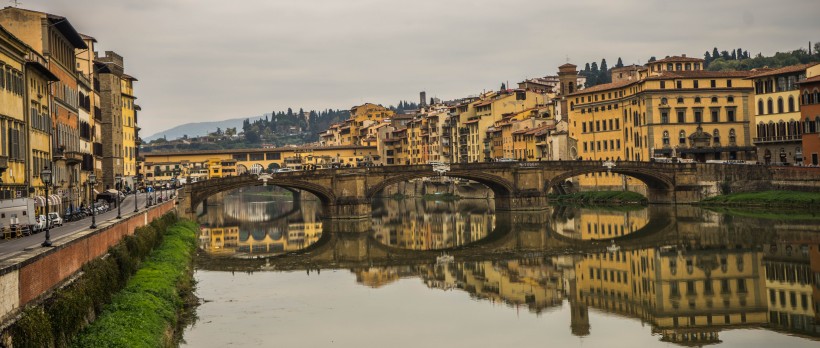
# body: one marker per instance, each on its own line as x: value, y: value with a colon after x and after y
x: 780, y: 139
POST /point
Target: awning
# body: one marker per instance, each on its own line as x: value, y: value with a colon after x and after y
x: 54, y: 200
x: 112, y: 191
x: 39, y: 201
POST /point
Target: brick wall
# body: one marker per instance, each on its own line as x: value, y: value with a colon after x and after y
x: 33, y: 274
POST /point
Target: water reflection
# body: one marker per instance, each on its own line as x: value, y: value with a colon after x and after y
x: 259, y: 221
x: 419, y: 224
x: 689, y: 274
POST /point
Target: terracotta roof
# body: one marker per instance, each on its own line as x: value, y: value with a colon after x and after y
x: 488, y: 102
x: 784, y: 70
x: 676, y: 59
x: 811, y: 80
x: 568, y: 65
x: 665, y: 75
x: 603, y: 87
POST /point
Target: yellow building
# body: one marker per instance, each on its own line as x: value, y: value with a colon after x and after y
x: 778, y: 130
x: 39, y: 122
x: 13, y: 127
x: 674, y: 110
x: 129, y: 125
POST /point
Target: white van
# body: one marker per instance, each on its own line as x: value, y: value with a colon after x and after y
x: 17, y: 211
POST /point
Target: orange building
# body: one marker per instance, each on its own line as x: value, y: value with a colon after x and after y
x: 810, y: 116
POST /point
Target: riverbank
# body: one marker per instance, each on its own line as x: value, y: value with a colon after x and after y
x: 766, y: 199
x: 600, y: 198
x: 67, y: 311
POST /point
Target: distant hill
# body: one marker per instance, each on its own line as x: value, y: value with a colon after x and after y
x: 196, y: 129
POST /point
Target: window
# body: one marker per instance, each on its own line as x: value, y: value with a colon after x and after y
x: 769, y: 106
x: 730, y: 115
x: 698, y: 116
x: 664, y: 117
x: 730, y: 99
x: 713, y: 83
x: 715, y: 114
x: 697, y: 99
x: 732, y: 136
x: 663, y: 84
x: 791, y: 104
x: 729, y: 83
x: 680, y: 100
x: 714, y: 100
x: 682, y: 138
x: 679, y: 84
x: 694, y: 83
x: 681, y: 116
x: 760, y: 110
x: 666, y: 138
x: 584, y: 127
x: 716, y: 136
x: 779, y: 105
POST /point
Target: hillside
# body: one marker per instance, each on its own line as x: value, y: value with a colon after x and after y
x: 195, y: 129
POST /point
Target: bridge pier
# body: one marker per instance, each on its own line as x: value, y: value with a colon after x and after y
x: 660, y: 196
x: 527, y: 201
x: 348, y: 208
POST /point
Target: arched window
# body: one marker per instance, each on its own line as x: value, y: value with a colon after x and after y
x: 697, y: 99
x: 716, y: 136
x: 816, y: 97
x: 714, y: 99
x: 770, y: 106
x: 779, y: 105
x: 781, y: 128
x: 816, y: 124
x: 732, y: 136
x: 791, y: 104
x: 770, y: 130
x: 760, y: 110
x: 805, y: 98
x: 678, y: 67
x: 666, y: 138
x: 571, y: 87
x: 664, y: 101
x: 680, y: 100
x: 682, y: 137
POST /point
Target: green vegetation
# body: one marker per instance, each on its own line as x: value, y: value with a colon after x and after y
x: 766, y: 198
x: 768, y: 213
x: 740, y: 60
x: 145, y: 312
x: 68, y: 310
x: 599, y: 197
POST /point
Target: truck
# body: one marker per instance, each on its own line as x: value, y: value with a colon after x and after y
x: 17, y: 212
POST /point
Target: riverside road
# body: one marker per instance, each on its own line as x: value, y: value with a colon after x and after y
x: 13, y: 247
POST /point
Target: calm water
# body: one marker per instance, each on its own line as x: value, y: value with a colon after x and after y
x: 276, y: 275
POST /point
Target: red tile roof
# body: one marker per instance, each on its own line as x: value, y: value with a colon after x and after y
x: 810, y: 80
x: 784, y: 70
x: 666, y: 75
x: 676, y: 59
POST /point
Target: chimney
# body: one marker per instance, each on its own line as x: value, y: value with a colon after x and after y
x: 683, y: 55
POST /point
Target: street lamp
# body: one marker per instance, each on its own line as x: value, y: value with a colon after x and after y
x: 118, y: 180
x: 136, y: 193
x: 92, y: 180
x: 45, y: 176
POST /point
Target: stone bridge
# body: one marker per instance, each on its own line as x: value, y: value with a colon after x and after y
x: 346, y: 193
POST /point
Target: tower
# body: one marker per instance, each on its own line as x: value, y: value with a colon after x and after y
x: 422, y: 99
x: 568, y: 77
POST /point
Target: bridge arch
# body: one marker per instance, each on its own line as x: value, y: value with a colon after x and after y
x: 200, y: 191
x: 499, y: 186
x: 653, y: 179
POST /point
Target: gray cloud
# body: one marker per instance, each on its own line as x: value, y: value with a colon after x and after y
x: 213, y: 60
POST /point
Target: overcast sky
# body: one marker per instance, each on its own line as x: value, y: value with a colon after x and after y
x: 207, y: 60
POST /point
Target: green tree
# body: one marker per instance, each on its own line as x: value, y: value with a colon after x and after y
x: 707, y: 58
x: 503, y: 86
x: 620, y: 63
x: 652, y: 59
x: 715, y: 53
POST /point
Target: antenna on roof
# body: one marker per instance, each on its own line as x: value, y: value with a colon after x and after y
x: 15, y: 3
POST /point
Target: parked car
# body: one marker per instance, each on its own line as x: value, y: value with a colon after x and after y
x: 39, y: 223
x: 55, y: 219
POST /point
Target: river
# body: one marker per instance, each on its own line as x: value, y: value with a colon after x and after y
x: 427, y: 273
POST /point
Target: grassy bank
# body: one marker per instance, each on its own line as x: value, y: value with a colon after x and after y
x: 601, y: 197
x: 68, y: 310
x: 145, y: 312
x: 766, y: 198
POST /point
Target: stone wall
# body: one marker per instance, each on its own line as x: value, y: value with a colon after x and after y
x: 30, y: 276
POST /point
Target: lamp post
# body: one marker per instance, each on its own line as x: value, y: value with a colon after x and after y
x: 92, y: 180
x: 45, y: 176
x: 118, y: 180
x: 136, y: 193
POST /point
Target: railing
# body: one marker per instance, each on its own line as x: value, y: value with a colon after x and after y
x: 778, y: 139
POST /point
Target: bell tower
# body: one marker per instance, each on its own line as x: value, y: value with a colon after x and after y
x: 568, y: 77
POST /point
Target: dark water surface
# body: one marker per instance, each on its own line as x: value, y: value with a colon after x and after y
x: 273, y: 273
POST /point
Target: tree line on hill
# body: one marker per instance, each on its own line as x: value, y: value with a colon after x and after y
x: 716, y: 60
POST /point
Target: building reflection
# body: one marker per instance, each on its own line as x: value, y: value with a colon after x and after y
x: 259, y: 221
x: 418, y: 224
x: 725, y: 274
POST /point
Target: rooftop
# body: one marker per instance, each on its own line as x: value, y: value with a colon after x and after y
x: 783, y: 70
